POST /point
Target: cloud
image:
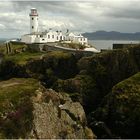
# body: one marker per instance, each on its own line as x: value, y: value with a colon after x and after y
x: 2, y: 27
x: 79, y: 16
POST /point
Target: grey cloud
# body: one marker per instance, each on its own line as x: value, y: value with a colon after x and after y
x: 119, y: 15
x: 127, y: 9
x: 127, y: 14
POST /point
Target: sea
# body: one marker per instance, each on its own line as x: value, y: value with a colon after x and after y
x: 108, y: 44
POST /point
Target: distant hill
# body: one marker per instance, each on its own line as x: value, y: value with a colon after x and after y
x: 104, y: 35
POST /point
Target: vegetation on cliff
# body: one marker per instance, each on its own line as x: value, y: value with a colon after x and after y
x: 53, y: 66
x: 104, y: 71
x: 23, y: 58
x: 28, y: 110
x: 120, y: 110
x: 16, y: 107
x: 97, y: 75
x: 72, y: 45
x: 93, y: 81
x: 46, y: 67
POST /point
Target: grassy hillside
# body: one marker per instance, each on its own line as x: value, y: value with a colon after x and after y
x: 24, y: 57
x: 16, y: 107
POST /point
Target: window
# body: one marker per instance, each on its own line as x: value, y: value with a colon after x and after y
x: 41, y: 35
x: 32, y: 27
x: 52, y: 36
x: 43, y: 39
x: 32, y: 18
x: 48, y: 36
x: 81, y: 39
x: 57, y: 37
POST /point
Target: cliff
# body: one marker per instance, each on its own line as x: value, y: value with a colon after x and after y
x: 28, y: 110
x: 99, y: 73
x: 89, y: 81
x: 97, y: 76
x: 120, y: 109
x: 43, y: 66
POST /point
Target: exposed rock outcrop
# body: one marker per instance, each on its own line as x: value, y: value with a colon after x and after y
x: 56, y: 116
x: 28, y: 110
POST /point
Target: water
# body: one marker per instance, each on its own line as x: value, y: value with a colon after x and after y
x: 108, y: 44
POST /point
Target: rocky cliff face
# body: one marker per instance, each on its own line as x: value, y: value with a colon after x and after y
x: 88, y: 81
x: 28, y: 110
x: 56, y: 116
x: 99, y: 73
x: 120, y: 110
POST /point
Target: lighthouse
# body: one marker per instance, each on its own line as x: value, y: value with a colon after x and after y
x: 33, y: 21
x: 36, y: 36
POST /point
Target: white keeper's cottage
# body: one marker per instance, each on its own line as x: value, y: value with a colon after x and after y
x: 36, y: 36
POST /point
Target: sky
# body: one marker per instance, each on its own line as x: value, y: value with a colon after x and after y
x: 76, y: 15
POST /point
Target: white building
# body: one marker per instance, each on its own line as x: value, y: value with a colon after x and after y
x: 49, y: 36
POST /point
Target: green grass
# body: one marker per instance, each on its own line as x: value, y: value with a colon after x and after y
x: 127, y: 96
x: 17, y: 46
x: 73, y: 45
x: 16, y: 107
x: 14, y: 89
x: 128, y: 86
x: 58, y: 54
x: 14, y: 47
x: 23, y: 58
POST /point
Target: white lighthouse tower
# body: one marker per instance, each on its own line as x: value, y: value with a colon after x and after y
x: 33, y: 20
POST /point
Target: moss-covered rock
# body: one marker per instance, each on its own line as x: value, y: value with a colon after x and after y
x: 52, y: 66
x: 82, y: 88
x: 109, y: 68
x: 47, y: 67
x: 121, y: 108
x: 9, y: 69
